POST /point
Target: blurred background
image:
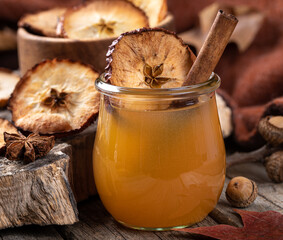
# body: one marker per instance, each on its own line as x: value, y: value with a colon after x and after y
x: 251, y: 67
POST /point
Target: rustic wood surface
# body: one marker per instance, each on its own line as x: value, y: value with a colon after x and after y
x: 39, y: 192
x: 81, y: 172
x: 82, y: 181
x: 96, y: 223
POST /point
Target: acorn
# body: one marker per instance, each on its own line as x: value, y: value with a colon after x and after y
x: 274, y: 166
x: 241, y: 192
x: 271, y: 129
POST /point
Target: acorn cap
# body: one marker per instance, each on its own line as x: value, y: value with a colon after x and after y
x: 271, y: 129
x: 241, y: 192
x: 274, y: 166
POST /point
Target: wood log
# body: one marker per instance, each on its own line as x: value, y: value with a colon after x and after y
x: 82, y: 146
x: 39, y: 192
x: 81, y: 171
x: 31, y: 232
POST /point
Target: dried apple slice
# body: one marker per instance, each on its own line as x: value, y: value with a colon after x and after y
x: 102, y: 19
x: 43, y: 23
x: 5, y: 126
x: 148, y: 58
x: 8, y: 81
x: 155, y: 10
x: 55, y: 97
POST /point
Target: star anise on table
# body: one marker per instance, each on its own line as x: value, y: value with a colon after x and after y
x: 28, y: 149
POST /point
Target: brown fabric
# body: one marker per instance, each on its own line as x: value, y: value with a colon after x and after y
x: 186, y: 11
x: 252, y: 82
x: 246, y: 120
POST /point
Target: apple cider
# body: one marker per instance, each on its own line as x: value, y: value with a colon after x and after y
x: 160, y: 167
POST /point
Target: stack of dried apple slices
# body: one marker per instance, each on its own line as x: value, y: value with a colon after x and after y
x: 156, y: 10
x: 102, y: 19
x: 98, y: 19
x: 55, y: 97
x: 43, y: 23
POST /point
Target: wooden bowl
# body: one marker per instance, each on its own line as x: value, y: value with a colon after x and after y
x: 33, y: 49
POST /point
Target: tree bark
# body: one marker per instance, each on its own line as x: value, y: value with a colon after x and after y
x: 39, y: 192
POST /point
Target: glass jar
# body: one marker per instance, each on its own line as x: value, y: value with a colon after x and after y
x: 159, y: 155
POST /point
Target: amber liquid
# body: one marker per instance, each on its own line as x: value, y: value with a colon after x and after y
x: 157, y: 170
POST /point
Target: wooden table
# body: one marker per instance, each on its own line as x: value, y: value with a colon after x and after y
x: 96, y: 223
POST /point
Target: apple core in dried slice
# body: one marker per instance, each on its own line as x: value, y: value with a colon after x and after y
x: 102, y: 19
x: 155, y: 10
x: 8, y: 81
x: 55, y: 97
x: 148, y: 58
x: 5, y: 126
x: 43, y: 23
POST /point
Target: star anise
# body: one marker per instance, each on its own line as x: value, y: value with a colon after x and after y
x: 56, y: 99
x: 19, y: 147
x: 103, y: 26
x: 151, y: 76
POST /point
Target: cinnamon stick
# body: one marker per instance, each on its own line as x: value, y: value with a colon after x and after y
x: 212, y: 49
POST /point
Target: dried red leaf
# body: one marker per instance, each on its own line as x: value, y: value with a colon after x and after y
x: 257, y: 225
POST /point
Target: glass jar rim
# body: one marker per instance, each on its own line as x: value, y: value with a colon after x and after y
x: 198, y: 89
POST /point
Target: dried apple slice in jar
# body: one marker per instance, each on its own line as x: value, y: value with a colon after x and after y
x: 55, y: 97
x: 5, y: 126
x: 156, y: 10
x: 43, y: 23
x: 8, y: 81
x: 148, y: 58
x: 102, y: 19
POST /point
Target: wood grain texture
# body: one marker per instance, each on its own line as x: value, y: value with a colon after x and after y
x: 270, y: 194
x: 82, y: 171
x: 96, y: 223
x: 33, y: 49
x: 80, y: 174
x: 37, y: 193
x: 30, y: 233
